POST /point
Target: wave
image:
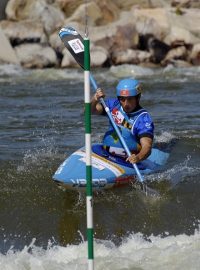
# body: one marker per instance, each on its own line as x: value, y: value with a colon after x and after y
x: 135, y: 253
x: 9, y: 72
x: 170, y: 72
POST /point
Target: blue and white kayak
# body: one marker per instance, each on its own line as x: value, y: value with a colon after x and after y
x: 108, y: 171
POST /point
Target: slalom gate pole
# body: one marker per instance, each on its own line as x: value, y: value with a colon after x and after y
x: 89, y: 198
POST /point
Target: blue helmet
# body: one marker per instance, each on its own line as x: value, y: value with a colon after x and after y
x: 128, y: 88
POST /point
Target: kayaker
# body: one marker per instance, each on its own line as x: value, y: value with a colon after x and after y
x: 134, y: 122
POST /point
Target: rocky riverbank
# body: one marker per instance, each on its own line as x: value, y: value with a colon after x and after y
x: 143, y: 32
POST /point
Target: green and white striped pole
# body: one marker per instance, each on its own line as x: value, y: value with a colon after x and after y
x: 89, y: 199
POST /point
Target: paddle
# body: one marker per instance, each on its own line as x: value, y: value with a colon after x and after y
x: 74, y: 42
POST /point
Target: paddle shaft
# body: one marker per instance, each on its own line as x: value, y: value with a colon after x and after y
x: 92, y: 80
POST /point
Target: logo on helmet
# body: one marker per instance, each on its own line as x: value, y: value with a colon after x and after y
x: 124, y: 93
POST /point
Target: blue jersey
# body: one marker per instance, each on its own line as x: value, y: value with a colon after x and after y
x: 133, y: 126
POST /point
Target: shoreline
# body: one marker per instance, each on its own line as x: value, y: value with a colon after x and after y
x: 149, y: 37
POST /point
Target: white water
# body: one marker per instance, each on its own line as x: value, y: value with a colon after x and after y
x: 172, y: 252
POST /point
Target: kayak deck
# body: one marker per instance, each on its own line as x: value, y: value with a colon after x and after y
x: 108, y: 171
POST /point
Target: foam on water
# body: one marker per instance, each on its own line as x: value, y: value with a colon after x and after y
x: 171, y: 252
x: 165, y: 137
x: 9, y: 72
x: 130, y: 70
x: 176, y: 174
x: 170, y: 72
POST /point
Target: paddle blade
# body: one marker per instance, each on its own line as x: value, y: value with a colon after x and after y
x: 73, y: 41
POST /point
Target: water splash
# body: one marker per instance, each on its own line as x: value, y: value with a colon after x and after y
x: 156, y: 252
x: 177, y: 174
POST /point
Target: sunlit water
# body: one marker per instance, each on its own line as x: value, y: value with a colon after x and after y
x: 43, y: 227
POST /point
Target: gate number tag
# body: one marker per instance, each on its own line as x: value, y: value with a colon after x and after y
x: 76, y: 45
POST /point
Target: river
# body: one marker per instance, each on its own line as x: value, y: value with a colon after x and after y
x: 44, y: 227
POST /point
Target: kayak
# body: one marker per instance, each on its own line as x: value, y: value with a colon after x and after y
x: 108, y: 171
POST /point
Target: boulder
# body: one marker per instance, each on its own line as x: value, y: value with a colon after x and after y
x: 56, y: 43
x: 69, y: 6
x: 7, y: 53
x: 160, y: 3
x: 68, y: 60
x: 179, y: 53
x: 157, y: 48
x: 179, y: 35
x: 115, y: 37
x: 39, y: 10
x: 189, y: 21
x: 181, y: 3
x: 130, y: 57
x: 98, y: 56
x: 97, y: 14
x: 195, y: 55
x: 151, y: 21
x: 127, y: 4
x: 103, y: 36
x: 109, y: 12
x: 24, y: 31
x: 126, y: 37
x: 185, y: 3
x: 93, y: 11
x: 36, y: 55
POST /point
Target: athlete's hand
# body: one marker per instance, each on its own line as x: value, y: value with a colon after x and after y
x: 133, y: 159
x: 99, y: 94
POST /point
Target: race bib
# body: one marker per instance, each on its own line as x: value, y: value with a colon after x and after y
x: 76, y: 45
x: 118, y: 116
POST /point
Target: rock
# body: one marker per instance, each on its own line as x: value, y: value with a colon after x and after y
x: 160, y: 3
x: 157, y: 48
x: 98, y: 56
x: 94, y: 13
x: 36, y: 55
x: 109, y: 12
x: 69, y: 6
x: 24, y: 31
x: 181, y: 3
x: 50, y: 16
x: 127, y: 4
x: 189, y: 21
x: 195, y: 55
x: 160, y: 22
x: 180, y: 36
x: 130, y: 57
x: 104, y: 36
x: 185, y: 3
x: 116, y: 37
x: 7, y: 54
x: 98, y: 14
x: 151, y: 21
x: 179, y: 53
x: 126, y: 37
x: 68, y: 60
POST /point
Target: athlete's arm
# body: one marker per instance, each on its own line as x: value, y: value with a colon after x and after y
x: 96, y: 107
x: 146, y: 146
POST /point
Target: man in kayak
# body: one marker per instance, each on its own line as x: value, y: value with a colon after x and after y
x: 134, y: 122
